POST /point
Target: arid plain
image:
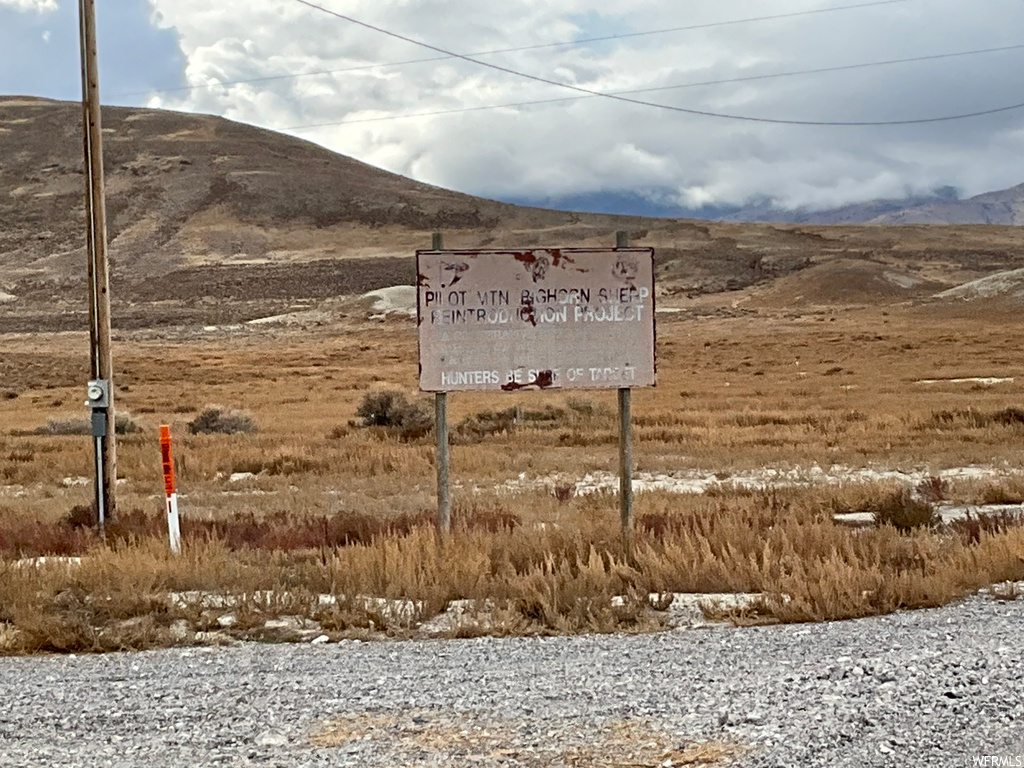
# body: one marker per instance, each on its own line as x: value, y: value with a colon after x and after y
x: 805, y: 375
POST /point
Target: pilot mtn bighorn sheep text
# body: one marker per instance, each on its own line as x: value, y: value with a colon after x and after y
x: 543, y: 305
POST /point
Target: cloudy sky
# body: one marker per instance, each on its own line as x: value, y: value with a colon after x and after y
x: 284, y: 65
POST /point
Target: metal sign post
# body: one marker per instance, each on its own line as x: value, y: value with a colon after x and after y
x: 625, y: 438
x: 444, y: 501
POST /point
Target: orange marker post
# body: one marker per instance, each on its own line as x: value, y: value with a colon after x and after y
x: 173, y: 528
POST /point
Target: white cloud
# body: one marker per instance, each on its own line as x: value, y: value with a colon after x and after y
x: 590, y: 145
x: 29, y: 6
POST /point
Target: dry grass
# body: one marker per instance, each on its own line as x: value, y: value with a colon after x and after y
x: 430, y: 735
x: 555, y: 573
x: 344, y: 510
x: 751, y: 397
x: 342, y: 730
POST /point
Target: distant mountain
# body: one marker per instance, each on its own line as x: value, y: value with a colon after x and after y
x: 1003, y: 207
x: 941, y: 207
x: 855, y: 213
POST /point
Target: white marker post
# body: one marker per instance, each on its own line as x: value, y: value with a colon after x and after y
x: 173, y: 528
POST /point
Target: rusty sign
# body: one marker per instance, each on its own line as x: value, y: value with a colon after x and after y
x: 567, y: 318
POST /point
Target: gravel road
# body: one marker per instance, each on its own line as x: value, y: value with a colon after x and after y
x: 932, y: 688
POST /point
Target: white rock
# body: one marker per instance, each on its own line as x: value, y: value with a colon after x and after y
x: 180, y: 630
x: 395, y: 300
x: 216, y: 638
x: 271, y: 739
x: 51, y: 560
x: 1008, y: 283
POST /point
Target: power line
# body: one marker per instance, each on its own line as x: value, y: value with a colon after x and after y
x: 724, y: 81
x: 534, y: 47
x: 668, y: 107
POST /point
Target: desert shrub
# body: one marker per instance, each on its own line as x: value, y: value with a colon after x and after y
x: 955, y: 419
x: 547, y: 414
x: 33, y: 538
x: 1009, y: 491
x: 580, y: 438
x: 66, y: 426
x: 581, y: 411
x: 564, y: 491
x: 294, y: 464
x: 727, y: 489
x: 759, y: 419
x: 477, y: 426
x: 903, y: 508
x: 337, y: 433
x: 972, y: 419
x: 282, y: 462
x: 490, y: 519
x: 904, y: 512
x: 1008, y: 416
x: 932, y: 489
x: 392, y: 409
x: 79, y: 516
x: 124, y: 424
x: 971, y: 527
x: 126, y: 525
x: 216, y: 419
x: 581, y: 406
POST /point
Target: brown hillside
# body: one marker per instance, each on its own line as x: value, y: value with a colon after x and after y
x: 212, y: 221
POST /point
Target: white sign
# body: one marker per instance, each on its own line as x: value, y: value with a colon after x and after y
x: 567, y: 318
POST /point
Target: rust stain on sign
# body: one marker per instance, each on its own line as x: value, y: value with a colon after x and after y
x: 454, y: 272
x: 536, y: 319
x: 526, y: 311
x: 557, y: 257
x: 543, y: 380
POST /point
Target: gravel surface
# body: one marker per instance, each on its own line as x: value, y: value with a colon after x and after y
x: 935, y: 688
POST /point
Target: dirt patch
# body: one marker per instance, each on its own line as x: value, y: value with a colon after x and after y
x: 844, y: 281
x: 476, y: 737
x: 247, y: 282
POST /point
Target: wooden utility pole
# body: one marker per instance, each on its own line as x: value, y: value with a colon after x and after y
x: 101, y: 364
x: 625, y: 439
x: 444, y: 500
